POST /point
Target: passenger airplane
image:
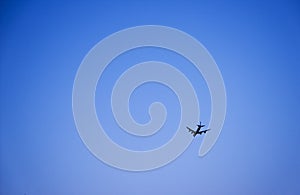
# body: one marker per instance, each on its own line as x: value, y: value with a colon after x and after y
x: 198, y: 130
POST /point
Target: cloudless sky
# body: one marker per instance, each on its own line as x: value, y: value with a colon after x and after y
x: 256, y: 45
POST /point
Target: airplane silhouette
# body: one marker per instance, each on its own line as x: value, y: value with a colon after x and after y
x: 198, y: 130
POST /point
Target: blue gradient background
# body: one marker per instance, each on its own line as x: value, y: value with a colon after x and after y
x: 255, y: 44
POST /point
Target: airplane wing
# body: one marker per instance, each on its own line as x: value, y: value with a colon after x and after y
x: 204, y: 131
x: 191, y: 130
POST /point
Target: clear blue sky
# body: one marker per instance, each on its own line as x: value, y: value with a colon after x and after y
x: 256, y: 45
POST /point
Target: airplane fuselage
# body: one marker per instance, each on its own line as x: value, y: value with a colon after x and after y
x: 198, y: 129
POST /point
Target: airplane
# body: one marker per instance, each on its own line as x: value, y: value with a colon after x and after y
x: 198, y: 130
